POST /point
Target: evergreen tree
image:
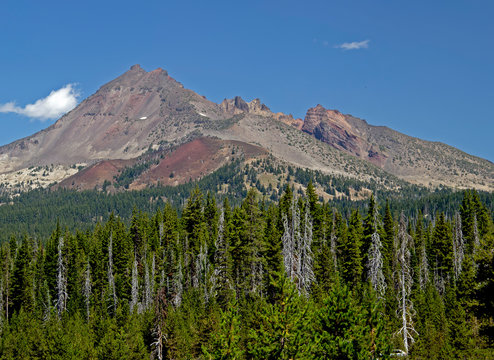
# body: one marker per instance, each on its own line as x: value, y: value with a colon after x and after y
x: 274, y: 258
x: 388, y: 236
x: 280, y: 328
x: 349, y: 254
x: 442, y: 249
x: 344, y: 330
x: 22, y: 291
x: 226, y: 343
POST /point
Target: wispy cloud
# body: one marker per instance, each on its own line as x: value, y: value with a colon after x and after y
x: 355, y: 45
x: 51, y: 107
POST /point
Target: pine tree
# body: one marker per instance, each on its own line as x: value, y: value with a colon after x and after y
x: 423, y: 262
x: 442, y: 249
x: 280, y: 329
x: 349, y: 252
x: 193, y: 220
x: 274, y: 257
x: 388, y: 238
x: 315, y: 214
x: 226, y: 343
x: 21, y: 288
x: 371, y: 223
x: 343, y: 329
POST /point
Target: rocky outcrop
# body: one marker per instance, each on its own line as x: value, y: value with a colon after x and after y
x: 289, y: 120
x: 333, y: 128
x: 237, y: 105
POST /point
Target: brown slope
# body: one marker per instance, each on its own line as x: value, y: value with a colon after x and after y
x: 120, y: 121
x: 95, y: 175
x: 195, y: 159
x: 189, y: 161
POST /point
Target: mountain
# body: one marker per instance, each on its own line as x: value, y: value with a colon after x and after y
x: 411, y: 159
x: 145, y: 128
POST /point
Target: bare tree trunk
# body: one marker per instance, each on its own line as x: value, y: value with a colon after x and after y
x: 1, y: 303
x: 476, y: 238
x: 287, y: 247
x: 86, y: 291
x: 61, y: 281
x: 333, y: 247
x: 160, y: 315
x: 153, y: 275
x: 135, y: 287
x: 423, y: 268
x: 405, y: 281
x: 307, y: 276
x: 375, y: 265
x: 178, y: 284
x: 296, y: 243
x: 147, y: 286
x: 458, y: 247
x: 111, y: 279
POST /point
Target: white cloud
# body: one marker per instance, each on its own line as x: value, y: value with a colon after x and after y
x: 51, y: 107
x: 354, y: 45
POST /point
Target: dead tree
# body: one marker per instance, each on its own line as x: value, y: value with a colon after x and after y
x: 86, y: 290
x: 134, y: 302
x: 306, y: 275
x: 61, y: 281
x: 458, y: 247
x: 160, y: 315
x: 405, y: 282
x: 111, y: 278
x: 375, y: 265
x: 423, y: 268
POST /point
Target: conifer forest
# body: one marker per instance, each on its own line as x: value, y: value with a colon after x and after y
x: 293, y: 278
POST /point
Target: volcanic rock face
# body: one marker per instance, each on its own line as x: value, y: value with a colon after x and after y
x: 332, y: 127
x: 237, y: 105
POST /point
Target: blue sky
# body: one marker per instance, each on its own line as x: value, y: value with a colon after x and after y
x: 424, y: 68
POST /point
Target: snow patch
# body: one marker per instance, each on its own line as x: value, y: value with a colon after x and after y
x: 143, y: 118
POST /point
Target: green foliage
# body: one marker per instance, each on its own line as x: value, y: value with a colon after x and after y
x: 346, y: 330
x: 280, y: 328
x: 225, y: 344
x: 209, y: 282
x: 442, y: 248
